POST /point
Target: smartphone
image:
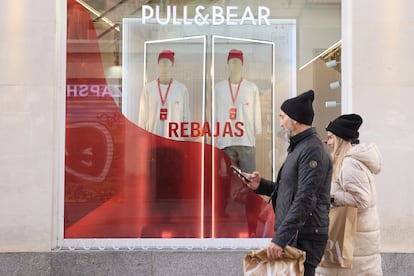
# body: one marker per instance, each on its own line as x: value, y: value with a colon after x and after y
x: 239, y: 172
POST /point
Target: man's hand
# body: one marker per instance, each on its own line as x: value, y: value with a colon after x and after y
x: 254, y: 180
x: 274, y: 251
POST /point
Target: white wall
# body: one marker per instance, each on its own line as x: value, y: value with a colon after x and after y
x: 377, y: 55
x: 30, y: 110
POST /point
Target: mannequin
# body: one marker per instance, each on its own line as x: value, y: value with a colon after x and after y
x: 164, y: 100
x: 237, y: 100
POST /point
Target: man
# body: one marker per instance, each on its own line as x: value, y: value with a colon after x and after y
x: 300, y: 195
x: 164, y: 100
x: 237, y: 101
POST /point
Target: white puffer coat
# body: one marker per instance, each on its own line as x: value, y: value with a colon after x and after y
x: 355, y: 187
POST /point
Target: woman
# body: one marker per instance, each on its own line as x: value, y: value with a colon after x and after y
x: 354, y: 165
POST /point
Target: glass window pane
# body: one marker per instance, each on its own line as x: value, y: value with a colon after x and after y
x: 151, y: 135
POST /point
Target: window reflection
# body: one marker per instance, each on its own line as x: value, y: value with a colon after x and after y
x: 123, y: 181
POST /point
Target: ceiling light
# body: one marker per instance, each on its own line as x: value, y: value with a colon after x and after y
x: 331, y: 104
x: 335, y: 85
x: 331, y: 63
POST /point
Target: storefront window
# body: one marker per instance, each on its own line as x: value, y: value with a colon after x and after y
x: 162, y: 99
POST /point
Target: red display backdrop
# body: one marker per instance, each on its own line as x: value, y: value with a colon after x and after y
x: 124, y: 182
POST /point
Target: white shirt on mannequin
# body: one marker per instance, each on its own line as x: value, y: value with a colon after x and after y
x: 242, y: 96
x: 166, y: 94
x: 248, y: 111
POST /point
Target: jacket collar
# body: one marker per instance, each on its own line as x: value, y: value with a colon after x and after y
x: 299, y: 137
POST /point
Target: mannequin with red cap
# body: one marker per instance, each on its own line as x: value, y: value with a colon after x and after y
x: 164, y: 100
x: 237, y: 101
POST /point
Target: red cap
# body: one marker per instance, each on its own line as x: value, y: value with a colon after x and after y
x: 166, y: 54
x: 235, y: 54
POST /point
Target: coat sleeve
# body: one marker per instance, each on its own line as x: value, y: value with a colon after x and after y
x: 266, y: 187
x: 354, y: 182
x: 257, y: 112
x: 143, y: 111
x: 186, y: 113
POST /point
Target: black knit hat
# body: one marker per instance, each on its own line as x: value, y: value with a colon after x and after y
x: 346, y: 126
x: 300, y: 108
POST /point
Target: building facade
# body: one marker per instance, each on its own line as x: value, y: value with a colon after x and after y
x: 78, y: 172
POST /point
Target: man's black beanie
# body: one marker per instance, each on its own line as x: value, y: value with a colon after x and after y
x: 300, y: 108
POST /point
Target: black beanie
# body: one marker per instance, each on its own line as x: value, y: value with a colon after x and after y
x: 346, y: 126
x: 300, y: 108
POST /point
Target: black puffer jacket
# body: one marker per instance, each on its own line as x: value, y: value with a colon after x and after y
x: 303, y: 189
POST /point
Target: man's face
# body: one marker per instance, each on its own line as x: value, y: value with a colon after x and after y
x: 287, y: 124
x: 164, y: 66
x: 235, y: 65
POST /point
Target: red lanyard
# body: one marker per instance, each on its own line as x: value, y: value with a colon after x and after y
x: 234, y: 97
x: 163, y: 100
